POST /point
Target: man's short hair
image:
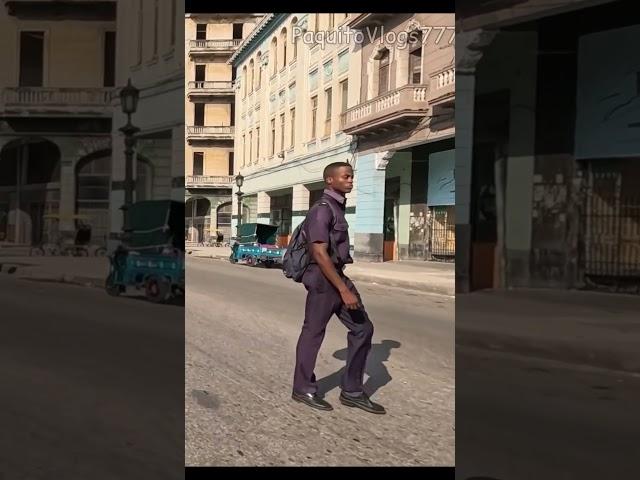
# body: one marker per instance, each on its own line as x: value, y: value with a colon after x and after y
x: 330, y: 169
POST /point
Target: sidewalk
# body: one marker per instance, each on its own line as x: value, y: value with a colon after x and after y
x: 583, y: 328
x: 87, y: 271
x: 434, y: 277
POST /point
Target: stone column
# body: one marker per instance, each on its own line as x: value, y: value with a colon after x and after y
x: 117, y: 190
x: 369, y: 235
x: 300, y: 205
x: 469, y: 51
x: 264, y: 206
x: 69, y: 152
x: 177, y: 163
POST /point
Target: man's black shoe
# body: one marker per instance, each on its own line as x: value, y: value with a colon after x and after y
x: 312, y: 400
x: 362, y: 402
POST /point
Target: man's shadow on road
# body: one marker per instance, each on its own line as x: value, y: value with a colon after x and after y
x: 375, y: 368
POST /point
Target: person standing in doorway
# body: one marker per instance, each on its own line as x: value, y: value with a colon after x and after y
x: 330, y: 292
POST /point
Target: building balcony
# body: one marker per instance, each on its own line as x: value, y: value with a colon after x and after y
x: 213, y: 47
x: 210, y: 89
x: 209, y: 181
x: 399, y: 108
x: 42, y: 10
x: 36, y: 101
x: 442, y: 87
x: 368, y: 20
x: 200, y: 133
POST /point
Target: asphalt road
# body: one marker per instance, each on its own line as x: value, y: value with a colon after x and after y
x: 91, y: 386
x: 242, y: 326
x: 521, y: 418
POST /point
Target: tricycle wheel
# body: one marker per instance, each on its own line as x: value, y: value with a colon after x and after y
x: 157, y: 289
x: 232, y: 259
x: 251, y: 261
x: 112, y: 289
x: 268, y: 264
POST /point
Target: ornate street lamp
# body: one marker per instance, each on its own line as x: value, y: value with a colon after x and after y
x: 129, y: 96
x: 239, y: 182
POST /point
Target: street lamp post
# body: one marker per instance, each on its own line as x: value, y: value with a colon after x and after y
x: 129, y: 96
x: 239, y: 182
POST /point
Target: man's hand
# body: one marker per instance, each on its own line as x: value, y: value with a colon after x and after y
x: 350, y: 300
x: 321, y: 256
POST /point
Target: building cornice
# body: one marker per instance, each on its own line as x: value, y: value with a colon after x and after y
x: 264, y: 28
x: 300, y: 160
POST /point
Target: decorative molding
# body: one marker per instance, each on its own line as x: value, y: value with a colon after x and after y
x: 254, y: 37
x: 303, y: 23
x: 412, y: 25
x: 470, y: 48
x: 375, y: 54
x: 91, y: 145
x: 382, y: 159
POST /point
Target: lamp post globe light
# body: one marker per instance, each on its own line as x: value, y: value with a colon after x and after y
x: 129, y: 96
x: 239, y: 182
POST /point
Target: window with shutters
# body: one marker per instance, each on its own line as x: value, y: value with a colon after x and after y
x: 383, y: 73
x: 314, y: 116
x: 198, y: 163
x: 257, y: 143
x: 273, y: 136
x: 415, y: 60
x: 281, y: 132
x: 201, y: 31
x: 327, y: 119
x: 293, y: 127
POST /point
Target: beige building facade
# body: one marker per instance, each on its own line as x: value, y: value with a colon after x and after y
x: 60, y: 113
x: 55, y: 118
x: 149, y: 52
x: 289, y: 97
x: 402, y: 125
x: 211, y: 39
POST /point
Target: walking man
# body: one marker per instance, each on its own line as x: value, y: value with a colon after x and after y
x: 330, y: 292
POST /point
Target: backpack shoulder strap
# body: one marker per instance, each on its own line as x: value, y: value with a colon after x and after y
x: 333, y: 211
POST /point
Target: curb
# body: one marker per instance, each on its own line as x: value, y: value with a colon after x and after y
x: 598, y: 357
x: 363, y: 277
x: 420, y: 286
x: 90, y: 282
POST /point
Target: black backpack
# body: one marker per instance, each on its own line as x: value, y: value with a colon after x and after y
x: 297, y: 257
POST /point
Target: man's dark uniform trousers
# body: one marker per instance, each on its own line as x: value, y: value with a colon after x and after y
x: 324, y: 300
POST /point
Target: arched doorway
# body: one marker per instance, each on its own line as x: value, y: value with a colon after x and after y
x: 223, y: 219
x: 197, y: 212
x: 93, y: 177
x: 29, y: 188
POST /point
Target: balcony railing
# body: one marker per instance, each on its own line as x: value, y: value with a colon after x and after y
x: 210, y: 133
x: 207, y: 181
x: 210, y: 88
x: 58, y: 99
x: 443, y: 86
x: 206, y: 46
x: 410, y: 100
x: 343, y: 120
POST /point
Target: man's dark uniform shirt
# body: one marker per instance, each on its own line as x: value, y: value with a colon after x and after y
x: 320, y: 222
